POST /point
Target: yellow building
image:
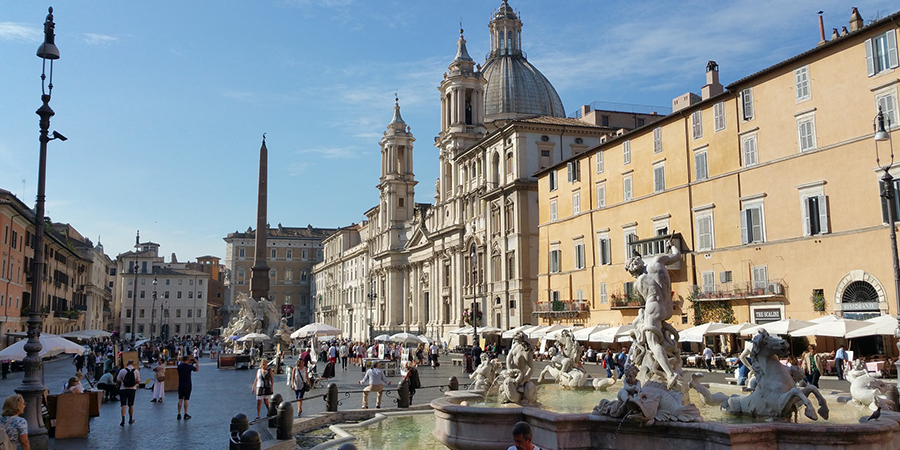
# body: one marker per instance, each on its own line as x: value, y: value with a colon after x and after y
x: 770, y: 185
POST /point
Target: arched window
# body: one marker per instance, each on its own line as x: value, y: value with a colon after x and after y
x: 495, y: 168
x: 864, y: 300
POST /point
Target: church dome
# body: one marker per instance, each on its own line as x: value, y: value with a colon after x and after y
x: 514, y: 87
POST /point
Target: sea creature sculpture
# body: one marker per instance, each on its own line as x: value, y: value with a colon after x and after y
x: 870, y: 391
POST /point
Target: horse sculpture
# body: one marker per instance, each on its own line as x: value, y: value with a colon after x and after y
x: 776, y: 394
x: 565, y: 365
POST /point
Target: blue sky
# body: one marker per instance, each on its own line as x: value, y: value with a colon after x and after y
x: 165, y: 102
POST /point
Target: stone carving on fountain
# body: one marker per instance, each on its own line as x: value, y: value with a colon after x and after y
x: 515, y: 382
x: 484, y: 375
x: 653, y: 402
x: 565, y: 363
x: 870, y: 391
x: 776, y: 394
x: 258, y: 317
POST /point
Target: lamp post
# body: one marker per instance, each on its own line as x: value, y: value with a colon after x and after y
x: 372, y: 297
x: 153, y: 310
x: 887, y: 193
x: 137, y: 248
x: 474, y: 298
x: 32, y: 388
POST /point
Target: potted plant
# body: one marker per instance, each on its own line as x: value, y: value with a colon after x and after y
x: 818, y: 300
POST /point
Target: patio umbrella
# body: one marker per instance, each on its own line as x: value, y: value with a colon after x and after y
x: 405, y: 338
x: 315, y: 329
x: 619, y: 333
x: 837, y: 328
x: 462, y: 331
x: 51, y: 345
x: 736, y: 329
x: 878, y: 326
x: 585, y: 333
x: 254, y: 337
x: 698, y: 333
x: 383, y: 338
x: 489, y: 330
x: 828, y: 318
x: 86, y: 334
x: 508, y: 334
x: 427, y: 340
x: 533, y: 333
x: 784, y: 326
x: 554, y: 334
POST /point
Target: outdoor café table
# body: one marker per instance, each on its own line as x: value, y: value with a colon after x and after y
x: 874, y: 366
x: 692, y: 361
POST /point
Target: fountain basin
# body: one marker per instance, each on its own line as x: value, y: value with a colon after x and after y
x: 489, y: 428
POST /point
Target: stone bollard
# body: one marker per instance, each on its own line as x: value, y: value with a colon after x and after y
x: 274, y: 400
x: 403, y: 394
x: 250, y: 440
x: 239, y: 424
x: 454, y: 384
x: 347, y: 446
x: 331, y: 398
x: 284, y: 428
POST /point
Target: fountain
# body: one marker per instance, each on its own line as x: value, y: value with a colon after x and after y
x: 654, y: 409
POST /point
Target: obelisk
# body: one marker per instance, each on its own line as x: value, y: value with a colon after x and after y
x: 259, y: 279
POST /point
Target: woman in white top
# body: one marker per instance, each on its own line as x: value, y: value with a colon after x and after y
x: 300, y: 383
x: 262, y: 386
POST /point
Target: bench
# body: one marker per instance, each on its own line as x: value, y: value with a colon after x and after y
x: 456, y: 361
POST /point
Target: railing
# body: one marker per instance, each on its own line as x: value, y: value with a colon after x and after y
x: 736, y: 291
x: 565, y: 308
x: 626, y: 302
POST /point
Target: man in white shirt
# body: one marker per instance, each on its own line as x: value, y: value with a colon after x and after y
x: 707, y: 357
x: 344, y: 352
x: 522, y: 437
x: 433, y: 353
x: 375, y: 380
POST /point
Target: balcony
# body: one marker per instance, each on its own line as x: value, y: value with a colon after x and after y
x: 620, y: 301
x: 656, y: 245
x: 566, y: 308
x: 738, y: 291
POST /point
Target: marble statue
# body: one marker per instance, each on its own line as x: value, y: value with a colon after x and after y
x: 257, y: 316
x: 484, y: 375
x: 655, y: 350
x: 649, y: 404
x: 776, y: 394
x: 870, y: 391
x: 565, y: 364
x: 515, y: 382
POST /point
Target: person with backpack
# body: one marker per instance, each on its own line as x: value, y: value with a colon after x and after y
x: 15, y: 427
x: 128, y: 380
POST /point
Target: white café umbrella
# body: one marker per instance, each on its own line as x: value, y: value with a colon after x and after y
x: 86, y: 334
x: 823, y: 319
x: 405, y: 338
x: 619, y: 333
x: 315, y: 329
x: 884, y: 325
x: 554, y: 335
x: 735, y: 329
x: 383, y: 338
x: 837, y: 328
x: 699, y: 332
x: 425, y: 339
x: 254, y: 337
x: 784, y: 326
x: 489, y: 330
x: 51, y: 345
x: 462, y: 331
x: 508, y: 334
x: 585, y: 333
x: 533, y: 333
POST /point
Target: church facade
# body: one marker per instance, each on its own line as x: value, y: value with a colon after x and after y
x: 472, y: 249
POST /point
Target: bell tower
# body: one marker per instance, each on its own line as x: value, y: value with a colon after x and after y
x: 398, y: 182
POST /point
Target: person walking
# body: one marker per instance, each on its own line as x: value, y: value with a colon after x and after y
x: 300, y: 383
x: 128, y: 380
x: 707, y: 357
x: 332, y: 353
x: 185, y: 368
x: 375, y: 381
x: 812, y: 364
x: 621, y: 359
x: 839, y: 357
x: 159, y: 385
x: 79, y: 362
x: 344, y: 353
x: 262, y: 385
x: 609, y: 363
x: 16, y: 427
x: 434, y: 352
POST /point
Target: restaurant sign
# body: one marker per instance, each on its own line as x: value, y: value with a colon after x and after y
x: 859, y: 306
x: 766, y: 315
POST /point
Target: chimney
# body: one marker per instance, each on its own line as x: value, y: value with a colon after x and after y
x: 835, y: 34
x: 844, y: 31
x: 856, y: 20
x: 713, y: 87
x: 821, y: 28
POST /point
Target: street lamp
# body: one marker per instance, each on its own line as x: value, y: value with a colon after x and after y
x: 153, y: 310
x: 372, y: 297
x: 137, y: 248
x: 474, y: 297
x: 32, y: 389
x: 887, y: 193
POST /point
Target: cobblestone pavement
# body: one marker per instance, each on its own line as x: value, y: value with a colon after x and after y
x: 220, y: 394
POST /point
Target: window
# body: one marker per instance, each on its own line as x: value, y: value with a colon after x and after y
x: 815, y: 215
x: 274, y: 253
x: 178, y: 312
x: 241, y: 253
x: 190, y: 294
x: 657, y: 140
x: 554, y: 258
x: 400, y: 202
x: 187, y: 328
x: 178, y: 294
x: 719, y: 117
x: 626, y: 152
x: 511, y: 265
x: 748, y: 150
x: 128, y: 313
x: 129, y: 294
x: 881, y: 53
x: 603, y: 249
x: 630, y: 236
x: 288, y: 274
x: 604, y: 298
x: 553, y: 210
x: 141, y: 313
x: 753, y: 224
x: 190, y: 313
x: 509, y: 163
x: 697, y: 124
x: 599, y: 162
x: 290, y: 253
x: 806, y: 132
x: 760, y: 277
x: 801, y: 83
x: 601, y: 195
x: 576, y: 202
x: 572, y: 169
x: 177, y: 328
x: 701, y: 169
x: 747, y: 103
x: 627, y: 195
x: 303, y: 254
x: 166, y: 294
x: 659, y: 177
x: 200, y: 314
x: 709, y: 281
x: 552, y: 180
x: 705, y: 234
x: 579, y: 254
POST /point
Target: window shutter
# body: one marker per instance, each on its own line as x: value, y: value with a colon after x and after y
x: 807, y: 225
x: 891, y: 49
x: 823, y: 214
x: 870, y: 60
x: 755, y: 225
x: 744, y: 230
x: 747, y: 97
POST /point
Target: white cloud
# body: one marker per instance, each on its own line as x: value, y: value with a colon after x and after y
x: 17, y: 32
x: 330, y: 152
x: 99, y: 39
